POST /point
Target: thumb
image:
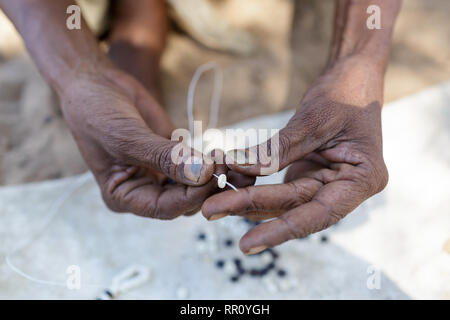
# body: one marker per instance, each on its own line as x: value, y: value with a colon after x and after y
x: 288, y: 145
x: 174, y: 159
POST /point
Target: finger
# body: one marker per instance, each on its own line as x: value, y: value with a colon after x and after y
x: 260, y: 202
x: 213, y: 185
x: 147, y: 106
x: 308, y: 169
x: 343, y: 153
x: 182, y: 200
x: 154, y: 115
x: 236, y: 179
x: 331, y: 203
x: 290, y: 144
x: 239, y: 180
x: 144, y: 197
x: 299, y: 168
x: 140, y: 147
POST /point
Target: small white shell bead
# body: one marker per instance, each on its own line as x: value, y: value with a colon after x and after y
x: 222, y: 181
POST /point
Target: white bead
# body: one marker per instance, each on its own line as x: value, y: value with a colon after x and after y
x: 201, y: 247
x: 266, y: 257
x: 222, y: 181
x: 229, y: 268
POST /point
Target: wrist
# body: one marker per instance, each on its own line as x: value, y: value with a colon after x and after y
x: 370, y: 63
x: 62, y: 77
x: 353, y: 37
x: 354, y: 80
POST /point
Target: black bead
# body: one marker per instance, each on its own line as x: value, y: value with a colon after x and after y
x: 251, y: 223
x: 274, y: 254
x: 255, y: 272
x: 201, y: 236
x: 228, y: 242
x: 239, y: 266
x: 109, y: 293
x: 220, y: 263
x: 234, y: 279
x: 281, y: 273
x: 323, y: 239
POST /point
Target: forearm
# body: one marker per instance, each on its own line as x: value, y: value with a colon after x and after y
x: 60, y: 54
x: 352, y: 37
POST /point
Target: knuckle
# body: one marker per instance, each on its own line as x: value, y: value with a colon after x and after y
x: 157, y: 212
x: 293, y: 231
x: 162, y: 158
x: 303, y: 191
x: 376, y: 179
x: 383, y: 178
x: 330, y: 217
x: 112, y: 202
x: 333, y: 217
x: 366, y: 178
x: 152, y: 211
x: 252, y: 204
x: 284, y: 146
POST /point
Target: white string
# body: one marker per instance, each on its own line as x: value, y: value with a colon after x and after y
x: 53, y: 211
x: 130, y: 278
x: 215, y: 100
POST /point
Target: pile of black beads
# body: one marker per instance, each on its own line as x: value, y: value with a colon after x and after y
x: 254, y: 272
x: 239, y: 263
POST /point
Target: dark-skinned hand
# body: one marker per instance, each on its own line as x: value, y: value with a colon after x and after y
x: 334, y: 146
x: 123, y: 134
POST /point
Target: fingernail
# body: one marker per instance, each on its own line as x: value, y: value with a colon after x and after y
x: 193, y: 168
x: 256, y: 250
x: 217, y: 216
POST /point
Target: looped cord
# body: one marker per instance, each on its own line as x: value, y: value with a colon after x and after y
x: 215, y: 100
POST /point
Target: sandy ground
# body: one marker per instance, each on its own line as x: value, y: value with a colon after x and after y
x: 36, y: 145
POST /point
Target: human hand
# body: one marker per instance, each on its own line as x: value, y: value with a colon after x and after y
x: 120, y: 128
x: 334, y: 146
x: 122, y: 133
